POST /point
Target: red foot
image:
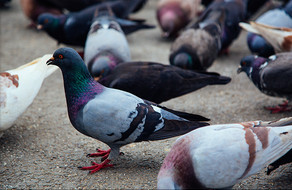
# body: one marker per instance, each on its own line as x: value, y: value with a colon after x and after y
x: 96, y: 167
x: 280, y: 108
x: 103, y: 153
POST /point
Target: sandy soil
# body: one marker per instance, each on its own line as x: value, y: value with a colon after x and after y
x: 43, y: 150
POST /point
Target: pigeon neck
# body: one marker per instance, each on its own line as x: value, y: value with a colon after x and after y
x: 254, y: 73
x: 179, y: 167
x: 80, y: 88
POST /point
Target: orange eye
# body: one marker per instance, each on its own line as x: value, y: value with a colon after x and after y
x: 61, y: 56
x: 46, y: 21
x: 243, y: 63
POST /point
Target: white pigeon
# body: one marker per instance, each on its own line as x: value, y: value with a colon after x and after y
x: 106, y: 45
x: 219, y: 156
x: 279, y: 37
x: 19, y: 87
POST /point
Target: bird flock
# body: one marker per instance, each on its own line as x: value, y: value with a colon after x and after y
x: 116, y: 100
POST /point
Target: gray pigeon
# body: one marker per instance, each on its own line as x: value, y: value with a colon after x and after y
x: 113, y: 116
x: 106, y: 45
x: 272, y: 76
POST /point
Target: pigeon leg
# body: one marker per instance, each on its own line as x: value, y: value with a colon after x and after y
x: 103, y: 153
x: 96, y: 167
x: 280, y: 108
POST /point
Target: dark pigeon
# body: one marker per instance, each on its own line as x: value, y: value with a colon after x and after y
x: 72, y: 28
x: 77, y: 5
x: 235, y: 12
x: 198, y: 46
x: 157, y: 82
x: 113, y: 116
x: 272, y: 76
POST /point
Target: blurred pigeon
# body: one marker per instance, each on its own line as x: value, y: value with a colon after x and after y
x: 106, y: 45
x: 235, y: 12
x: 272, y: 76
x: 157, y: 82
x: 279, y: 37
x: 77, y: 5
x: 113, y: 116
x: 32, y: 9
x: 19, y: 87
x: 198, y: 46
x: 3, y: 3
x: 275, y: 17
x: 220, y: 156
x: 72, y: 28
x: 174, y: 15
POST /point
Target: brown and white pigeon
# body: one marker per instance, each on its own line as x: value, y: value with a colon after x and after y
x: 279, y: 37
x: 19, y: 87
x: 220, y: 156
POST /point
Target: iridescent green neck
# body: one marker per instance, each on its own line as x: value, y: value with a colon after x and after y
x: 80, y: 88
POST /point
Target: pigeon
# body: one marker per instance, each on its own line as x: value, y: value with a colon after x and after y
x: 19, y: 87
x: 235, y: 12
x: 32, y: 9
x: 272, y: 76
x: 72, y: 28
x: 3, y: 3
x: 113, y: 116
x: 157, y: 82
x: 279, y: 37
x: 106, y: 45
x: 198, y: 46
x: 275, y: 17
x: 77, y: 5
x: 220, y: 156
x: 174, y: 15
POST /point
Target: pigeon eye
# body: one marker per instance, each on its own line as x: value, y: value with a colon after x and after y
x: 46, y: 21
x: 243, y: 63
x: 61, y: 56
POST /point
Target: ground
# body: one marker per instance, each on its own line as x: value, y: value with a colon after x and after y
x: 43, y: 150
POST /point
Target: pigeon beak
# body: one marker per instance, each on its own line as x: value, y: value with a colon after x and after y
x: 51, y: 61
x: 40, y: 27
x: 239, y: 70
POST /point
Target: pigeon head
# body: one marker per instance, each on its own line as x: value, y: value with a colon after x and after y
x: 259, y: 45
x: 186, y: 58
x: 183, y: 60
x: 48, y: 21
x: 101, y: 66
x: 67, y: 59
x: 250, y: 63
x: 171, y: 19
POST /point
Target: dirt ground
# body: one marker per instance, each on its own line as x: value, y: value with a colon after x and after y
x: 43, y: 150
